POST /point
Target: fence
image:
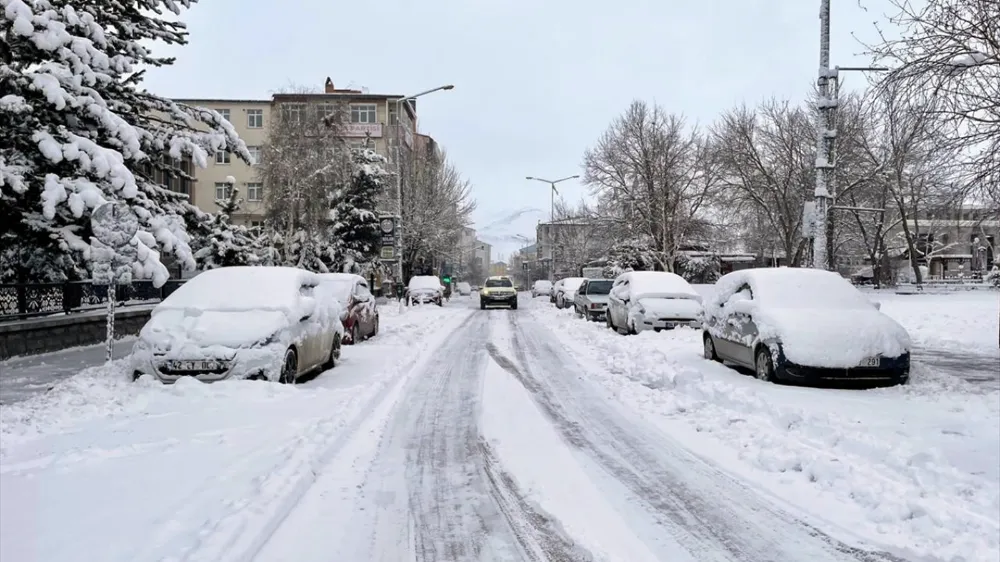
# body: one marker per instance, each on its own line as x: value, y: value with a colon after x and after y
x: 29, y: 300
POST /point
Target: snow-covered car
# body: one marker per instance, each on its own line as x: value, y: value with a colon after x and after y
x: 658, y: 300
x: 803, y: 325
x: 463, y: 288
x: 541, y: 287
x: 241, y: 322
x: 591, y: 298
x: 425, y: 289
x: 358, y: 311
x: 565, y: 291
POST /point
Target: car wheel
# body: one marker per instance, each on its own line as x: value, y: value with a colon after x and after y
x: 513, y: 305
x: 355, y: 333
x: 764, y: 365
x: 576, y: 309
x: 709, y: 348
x: 482, y: 305
x: 331, y: 361
x: 289, y: 367
x: 375, y: 328
x: 610, y: 323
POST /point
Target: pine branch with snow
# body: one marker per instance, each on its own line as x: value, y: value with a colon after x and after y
x: 353, y: 216
x: 79, y: 131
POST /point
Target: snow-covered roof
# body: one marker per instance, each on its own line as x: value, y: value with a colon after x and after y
x: 243, y: 288
x: 424, y: 282
x: 646, y: 284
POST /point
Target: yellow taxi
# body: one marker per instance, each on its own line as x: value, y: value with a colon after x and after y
x: 498, y: 291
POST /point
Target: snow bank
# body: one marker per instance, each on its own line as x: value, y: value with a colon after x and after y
x: 965, y: 321
x: 914, y: 467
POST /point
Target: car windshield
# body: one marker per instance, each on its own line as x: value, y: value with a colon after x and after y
x: 493, y: 283
x: 602, y: 287
x: 340, y: 289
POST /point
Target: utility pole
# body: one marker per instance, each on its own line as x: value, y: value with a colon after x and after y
x: 826, y: 141
x: 826, y: 135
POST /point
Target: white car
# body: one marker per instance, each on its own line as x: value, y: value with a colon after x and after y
x: 652, y: 300
x: 803, y: 325
x: 241, y: 322
x: 424, y: 289
x: 541, y: 287
x: 565, y: 291
x: 463, y: 288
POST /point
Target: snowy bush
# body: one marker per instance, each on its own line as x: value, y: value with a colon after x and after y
x: 79, y: 132
x: 700, y: 270
x: 630, y: 255
x: 993, y: 277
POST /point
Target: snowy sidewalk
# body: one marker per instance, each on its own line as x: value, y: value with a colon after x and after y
x: 23, y: 377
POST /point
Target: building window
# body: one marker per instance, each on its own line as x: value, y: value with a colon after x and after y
x: 223, y: 191
x: 363, y: 113
x: 254, y: 154
x: 225, y: 114
x: 222, y: 157
x: 325, y: 109
x: 256, y: 224
x: 255, y: 191
x: 393, y: 115
x: 293, y: 111
x: 255, y: 118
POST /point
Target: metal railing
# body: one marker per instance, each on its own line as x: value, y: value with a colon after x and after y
x: 29, y: 300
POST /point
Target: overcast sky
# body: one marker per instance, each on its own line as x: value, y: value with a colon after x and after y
x: 536, y: 82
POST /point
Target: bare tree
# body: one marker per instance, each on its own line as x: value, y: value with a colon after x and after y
x: 652, y: 172
x: 916, y: 171
x: 768, y: 159
x: 437, y: 205
x: 302, y: 162
x: 951, y: 49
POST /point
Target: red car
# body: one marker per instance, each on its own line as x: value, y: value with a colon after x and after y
x: 360, y: 315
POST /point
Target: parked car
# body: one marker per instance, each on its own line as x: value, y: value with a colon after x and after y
x: 498, y: 290
x: 803, y: 325
x: 463, y: 288
x: 541, y: 287
x: 241, y: 322
x: 425, y: 289
x: 565, y: 291
x: 591, y: 298
x: 658, y: 300
x: 358, y: 311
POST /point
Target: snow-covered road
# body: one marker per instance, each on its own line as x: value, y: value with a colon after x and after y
x: 459, y: 434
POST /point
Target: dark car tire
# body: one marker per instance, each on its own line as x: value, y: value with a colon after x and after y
x: 289, y: 367
x: 708, y: 346
x: 374, y: 328
x: 331, y: 362
x: 764, y: 365
x: 482, y: 305
x: 513, y: 305
x: 356, y: 334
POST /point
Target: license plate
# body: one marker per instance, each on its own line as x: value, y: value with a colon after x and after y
x: 871, y: 362
x: 193, y: 365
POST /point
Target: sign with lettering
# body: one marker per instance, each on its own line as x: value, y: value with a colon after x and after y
x: 373, y: 130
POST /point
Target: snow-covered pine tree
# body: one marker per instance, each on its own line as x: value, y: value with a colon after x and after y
x: 79, y: 131
x: 222, y: 243
x: 353, y: 216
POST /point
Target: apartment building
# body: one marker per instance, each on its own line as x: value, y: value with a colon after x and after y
x: 373, y: 120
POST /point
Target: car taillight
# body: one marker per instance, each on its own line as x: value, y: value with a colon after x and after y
x: 594, y: 305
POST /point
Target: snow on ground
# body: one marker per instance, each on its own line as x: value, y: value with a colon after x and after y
x: 142, y: 471
x: 961, y: 321
x: 916, y: 468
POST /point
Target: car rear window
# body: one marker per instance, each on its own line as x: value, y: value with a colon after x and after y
x: 599, y: 287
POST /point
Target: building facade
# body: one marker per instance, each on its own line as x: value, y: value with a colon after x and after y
x: 373, y: 120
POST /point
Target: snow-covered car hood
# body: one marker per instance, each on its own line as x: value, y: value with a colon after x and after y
x: 832, y: 338
x: 670, y: 308
x: 171, y: 330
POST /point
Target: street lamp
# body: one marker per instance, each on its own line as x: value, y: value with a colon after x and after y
x: 552, y: 211
x: 399, y: 180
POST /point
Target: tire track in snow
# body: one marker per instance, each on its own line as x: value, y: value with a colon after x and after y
x: 712, y: 515
x: 460, y: 504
